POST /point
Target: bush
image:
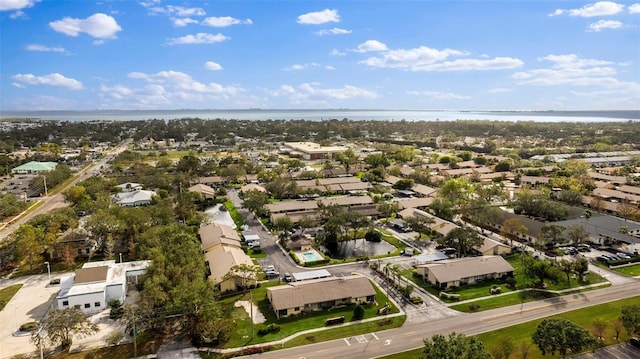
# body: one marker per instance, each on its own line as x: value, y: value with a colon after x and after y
x: 114, y: 338
x: 417, y: 300
x: 373, y: 236
x: 511, y: 282
x: 29, y: 327
x: 474, y: 307
x: 55, y: 281
x: 358, y: 312
x: 271, y: 328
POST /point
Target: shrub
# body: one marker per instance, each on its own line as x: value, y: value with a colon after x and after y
x: 373, y: 236
x: 271, y: 328
x: 114, y: 338
x: 474, y: 307
x: 358, y: 312
x: 55, y: 281
x: 29, y: 327
x: 417, y: 300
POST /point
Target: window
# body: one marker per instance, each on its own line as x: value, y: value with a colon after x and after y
x: 87, y: 305
x: 65, y: 303
x: 96, y: 304
x: 296, y: 309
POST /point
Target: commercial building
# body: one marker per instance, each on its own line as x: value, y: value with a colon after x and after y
x: 96, y: 283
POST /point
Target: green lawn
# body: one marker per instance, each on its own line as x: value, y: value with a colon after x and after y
x: 521, y: 334
x: 7, y: 293
x: 631, y: 271
x: 242, y: 324
x: 480, y: 290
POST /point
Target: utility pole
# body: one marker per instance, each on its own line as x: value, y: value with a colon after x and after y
x: 251, y: 305
x: 46, y: 193
x: 48, y: 271
x: 135, y: 330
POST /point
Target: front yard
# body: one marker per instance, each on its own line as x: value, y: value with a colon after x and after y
x: 242, y: 322
x: 483, y: 289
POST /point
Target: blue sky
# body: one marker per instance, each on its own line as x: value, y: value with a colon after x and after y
x: 150, y: 54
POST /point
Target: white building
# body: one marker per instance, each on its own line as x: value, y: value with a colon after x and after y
x: 135, y: 198
x: 96, y: 283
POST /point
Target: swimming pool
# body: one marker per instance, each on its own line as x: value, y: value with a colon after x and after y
x: 311, y: 256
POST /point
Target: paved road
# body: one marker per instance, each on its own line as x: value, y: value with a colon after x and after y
x: 410, y: 336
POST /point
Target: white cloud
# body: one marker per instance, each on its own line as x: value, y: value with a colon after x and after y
x: 334, y: 31
x: 53, y: 79
x: 336, y: 52
x: 634, y: 8
x: 371, y: 45
x: 213, y: 66
x: 307, y: 92
x: 297, y: 67
x: 98, y: 25
x: 424, y: 58
x: 605, y: 24
x: 183, y: 21
x: 319, y: 17
x: 570, y: 70
x: 17, y: 15
x: 183, y: 82
x: 498, y: 90
x: 9, y: 5
x: 498, y: 63
x: 601, y: 8
x: 199, y: 38
x: 224, y: 21
x: 311, y: 94
x: 167, y: 89
x: 43, y: 48
x: 329, y: 67
x: 184, y: 11
x: 439, y: 96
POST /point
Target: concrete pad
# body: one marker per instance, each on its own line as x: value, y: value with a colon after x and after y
x: 30, y: 304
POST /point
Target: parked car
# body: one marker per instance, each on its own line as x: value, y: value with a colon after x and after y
x: 269, y: 267
x: 287, y: 277
x: 272, y: 274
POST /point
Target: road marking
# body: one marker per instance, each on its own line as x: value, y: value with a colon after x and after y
x: 347, y: 341
x: 375, y: 336
x: 361, y: 339
x: 387, y: 342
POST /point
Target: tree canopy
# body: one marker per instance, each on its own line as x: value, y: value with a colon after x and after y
x: 455, y: 346
x: 561, y: 335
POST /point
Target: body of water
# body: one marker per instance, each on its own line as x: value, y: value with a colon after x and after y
x: 319, y: 115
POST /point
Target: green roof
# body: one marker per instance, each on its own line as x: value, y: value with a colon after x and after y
x: 36, y: 166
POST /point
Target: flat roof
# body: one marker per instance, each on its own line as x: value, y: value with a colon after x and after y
x: 313, y: 274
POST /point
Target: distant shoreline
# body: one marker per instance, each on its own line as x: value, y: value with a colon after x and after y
x: 327, y: 114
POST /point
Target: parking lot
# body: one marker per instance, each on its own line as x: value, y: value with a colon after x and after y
x: 16, y: 184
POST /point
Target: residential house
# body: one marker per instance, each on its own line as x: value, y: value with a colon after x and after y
x: 134, y: 198
x: 96, y: 283
x: 456, y: 272
x: 492, y: 247
x: 438, y: 225
x: 206, y: 191
x: 223, y: 251
x: 319, y: 294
